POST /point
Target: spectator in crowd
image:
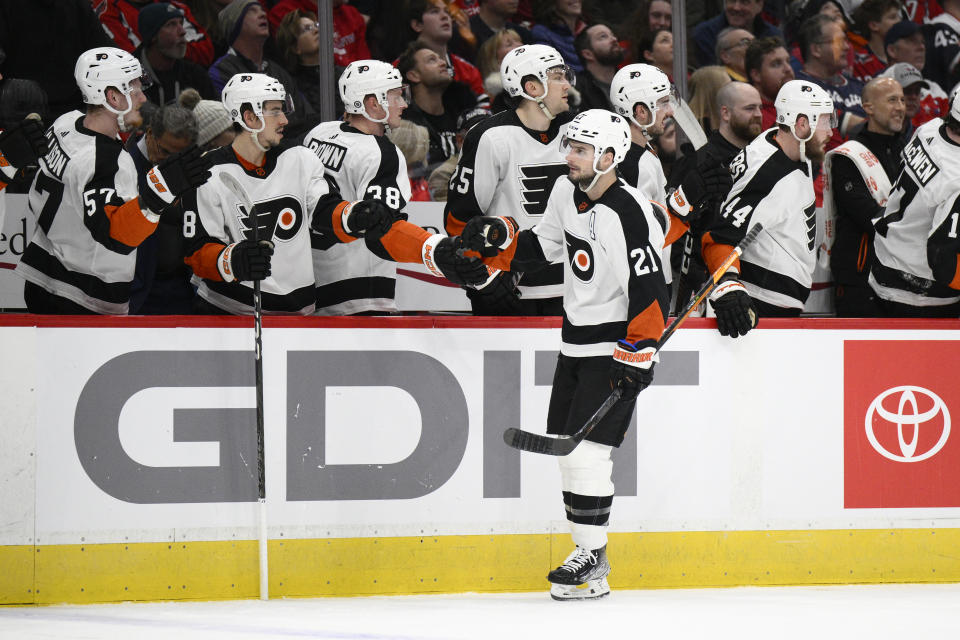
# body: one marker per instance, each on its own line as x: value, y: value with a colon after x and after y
x: 161, y: 282
x: 915, y: 271
x: 741, y: 14
x: 740, y: 122
x: 205, y: 13
x: 942, y: 36
x: 433, y: 26
x: 705, y: 82
x: 656, y: 49
x: 214, y: 126
x: 824, y: 46
x: 652, y: 16
x: 82, y: 256
x: 732, y: 46
x: 767, y: 65
x: 298, y: 43
x: 437, y: 99
x: 47, y: 55
x: 489, y: 58
x: 871, y: 22
x: 925, y: 99
x: 120, y: 19
x: 857, y: 190
x: 439, y: 180
x: 162, y: 55
x: 349, y: 27
x: 601, y: 54
x: 904, y: 42
x: 557, y: 24
x: 243, y: 25
x: 493, y: 16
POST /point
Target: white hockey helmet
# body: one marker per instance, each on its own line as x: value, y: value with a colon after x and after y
x: 641, y: 83
x: 103, y: 67
x: 802, y: 98
x: 254, y: 89
x: 602, y: 130
x: 364, y: 77
x: 954, y: 105
x: 531, y: 60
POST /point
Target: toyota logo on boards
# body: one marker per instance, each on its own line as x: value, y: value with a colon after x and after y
x: 916, y: 410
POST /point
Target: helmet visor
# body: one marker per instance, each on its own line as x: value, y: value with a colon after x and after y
x: 827, y: 121
x: 560, y: 73
x: 274, y: 108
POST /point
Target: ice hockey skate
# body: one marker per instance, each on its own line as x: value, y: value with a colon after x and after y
x: 582, y: 576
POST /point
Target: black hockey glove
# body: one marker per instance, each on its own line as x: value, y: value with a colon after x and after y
x: 173, y: 177
x: 21, y: 145
x: 443, y: 256
x: 707, y: 184
x: 370, y: 219
x: 246, y: 261
x: 733, y: 306
x: 632, y: 368
x: 498, y: 297
x: 489, y: 235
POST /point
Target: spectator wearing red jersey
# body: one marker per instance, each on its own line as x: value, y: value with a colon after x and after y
x: 871, y: 22
x: 349, y: 28
x: 119, y: 20
x: 925, y: 99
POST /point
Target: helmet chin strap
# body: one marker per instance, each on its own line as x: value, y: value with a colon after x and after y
x: 121, y: 124
x: 543, y: 107
x: 596, y: 176
x: 254, y: 132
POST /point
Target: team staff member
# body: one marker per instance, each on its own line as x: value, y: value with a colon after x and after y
x: 772, y: 185
x: 508, y: 166
x: 916, y: 273
x: 363, y: 163
x: 610, y: 243
x: 293, y: 199
x: 90, y: 218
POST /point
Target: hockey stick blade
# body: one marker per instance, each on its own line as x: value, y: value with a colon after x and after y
x: 562, y: 445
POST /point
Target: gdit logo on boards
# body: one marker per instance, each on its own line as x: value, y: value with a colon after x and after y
x: 909, y: 420
x: 898, y: 451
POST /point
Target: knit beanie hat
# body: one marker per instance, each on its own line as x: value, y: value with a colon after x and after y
x: 152, y: 18
x: 230, y: 19
x: 212, y: 118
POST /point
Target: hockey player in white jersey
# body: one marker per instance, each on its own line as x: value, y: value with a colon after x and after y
x: 641, y: 93
x: 772, y: 185
x: 90, y: 217
x: 508, y: 166
x: 917, y: 268
x: 362, y: 163
x: 610, y: 242
x: 294, y: 203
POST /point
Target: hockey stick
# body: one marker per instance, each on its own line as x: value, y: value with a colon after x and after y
x: 241, y: 194
x: 562, y: 445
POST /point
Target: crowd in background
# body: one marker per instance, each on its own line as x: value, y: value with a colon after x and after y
x: 449, y: 54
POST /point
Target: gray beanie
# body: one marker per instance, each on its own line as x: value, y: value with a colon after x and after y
x: 230, y: 19
x: 212, y: 119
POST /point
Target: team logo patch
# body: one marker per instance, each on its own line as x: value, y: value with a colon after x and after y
x: 536, y: 181
x: 580, y: 257
x: 278, y: 219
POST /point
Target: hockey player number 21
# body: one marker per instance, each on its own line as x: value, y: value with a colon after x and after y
x: 953, y: 224
x: 638, y: 266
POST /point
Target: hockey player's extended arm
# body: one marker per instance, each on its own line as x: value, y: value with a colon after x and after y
x: 21, y: 145
x: 705, y: 187
x: 473, y: 183
x: 173, y: 177
x: 943, y: 245
x: 503, y: 246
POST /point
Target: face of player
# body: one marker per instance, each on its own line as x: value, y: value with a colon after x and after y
x: 172, y: 39
x: 580, y: 163
x: 308, y: 42
x: 437, y: 23
x: 132, y: 119
x: 274, y: 121
x: 887, y: 107
x: 775, y: 71
x: 558, y: 86
x: 159, y: 149
x: 255, y: 22
x: 816, y: 146
x: 912, y: 50
x: 660, y: 15
x: 664, y: 111
x: 397, y: 106
x: 740, y: 13
x: 746, y: 119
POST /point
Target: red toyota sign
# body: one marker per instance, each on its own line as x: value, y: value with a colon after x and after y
x: 898, y: 448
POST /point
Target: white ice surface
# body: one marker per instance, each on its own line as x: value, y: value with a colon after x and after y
x: 901, y: 612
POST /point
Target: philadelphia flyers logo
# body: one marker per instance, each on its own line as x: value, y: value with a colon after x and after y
x: 278, y: 219
x: 580, y: 257
x: 536, y: 181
